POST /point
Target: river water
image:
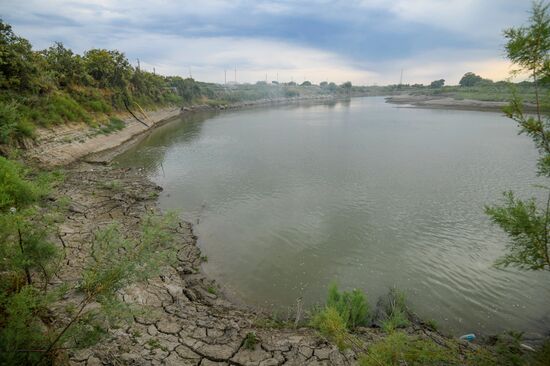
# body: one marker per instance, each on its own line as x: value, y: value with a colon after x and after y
x: 368, y: 194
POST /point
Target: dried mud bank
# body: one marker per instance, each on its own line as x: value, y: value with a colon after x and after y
x: 185, y: 322
x: 438, y: 102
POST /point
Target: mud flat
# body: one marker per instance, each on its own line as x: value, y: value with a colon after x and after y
x: 424, y: 101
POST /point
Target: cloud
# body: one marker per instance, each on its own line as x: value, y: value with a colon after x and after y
x: 364, y: 41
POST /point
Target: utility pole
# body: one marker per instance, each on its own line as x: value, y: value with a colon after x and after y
x: 401, y: 78
x: 225, y: 77
x: 138, y: 64
x: 277, y: 78
x: 235, y: 74
x: 154, y: 72
x: 190, y: 75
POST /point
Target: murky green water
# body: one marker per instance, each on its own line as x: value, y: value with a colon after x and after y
x: 368, y: 194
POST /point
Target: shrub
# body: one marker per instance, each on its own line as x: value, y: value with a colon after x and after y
x: 392, y: 311
x: 15, y: 191
x: 250, y: 341
x: 331, y: 324
x: 351, y: 306
x: 401, y: 349
x: 13, y: 125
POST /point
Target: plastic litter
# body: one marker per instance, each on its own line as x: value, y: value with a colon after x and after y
x: 468, y: 337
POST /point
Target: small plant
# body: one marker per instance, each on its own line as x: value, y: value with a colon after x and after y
x: 155, y: 344
x: 352, y: 306
x: 432, y: 324
x: 392, y: 311
x: 250, y: 341
x: 204, y: 258
x: 331, y: 325
x: 114, y: 124
x: 401, y: 349
x: 113, y: 185
x: 212, y: 290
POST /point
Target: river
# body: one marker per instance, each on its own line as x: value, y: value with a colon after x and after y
x: 361, y: 192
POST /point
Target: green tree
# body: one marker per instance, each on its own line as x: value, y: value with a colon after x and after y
x: 18, y: 66
x: 109, y: 68
x: 470, y: 79
x: 526, y: 222
x: 66, y: 67
x: 347, y: 87
x: 437, y: 83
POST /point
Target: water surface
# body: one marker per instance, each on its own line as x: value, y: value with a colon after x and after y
x: 366, y: 193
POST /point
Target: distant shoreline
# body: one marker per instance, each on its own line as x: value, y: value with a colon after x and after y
x: 445, y: 102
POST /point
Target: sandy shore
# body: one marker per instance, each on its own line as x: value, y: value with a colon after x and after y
x: 425, y: 101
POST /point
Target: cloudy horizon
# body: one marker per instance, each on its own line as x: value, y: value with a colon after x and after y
x: 367, y: 42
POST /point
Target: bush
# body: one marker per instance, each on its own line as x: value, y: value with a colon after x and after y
x: 401, y: 349
x: 331, y: 324
x: 352, y: 306
x: 392, y: 312
x: 13, y: 125
x: 15, y: 191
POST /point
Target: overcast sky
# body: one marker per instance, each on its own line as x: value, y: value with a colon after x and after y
x: 365, y: 41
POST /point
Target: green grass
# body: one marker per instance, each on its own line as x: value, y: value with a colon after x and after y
x: 250, y: 341
x: 394, y: 311
x: 114, y: 124
x: 400, y: 349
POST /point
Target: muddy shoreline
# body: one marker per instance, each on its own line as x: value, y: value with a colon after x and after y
x: 444, y: 102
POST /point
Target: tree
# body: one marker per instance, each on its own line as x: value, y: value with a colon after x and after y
x: 437, y: 83
x: 67, y: 68
x: 110, y: 69
x: 526, y: 222
x: 346, y: 86
x: 18, y: 66
x: 470, y: 79
x: 306, y: 83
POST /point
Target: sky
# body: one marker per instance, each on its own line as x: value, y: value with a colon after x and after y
x: 364, y: 41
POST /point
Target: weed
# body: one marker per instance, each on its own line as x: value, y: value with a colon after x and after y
x: 250, y: 341
x: 392, y: 311
x: 401, y: 349
x: 352, y: 306
x: 331, y: 325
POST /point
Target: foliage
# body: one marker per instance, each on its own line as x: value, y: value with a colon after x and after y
x: 470, y: 79
x: 400, y: 349
x: 437, y: 83
x: 352, y: 306
x: 331, y: 325
x: 392, y: 311
x: 524, y: 221
x: 15, y: 190
x: 250, y: 341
